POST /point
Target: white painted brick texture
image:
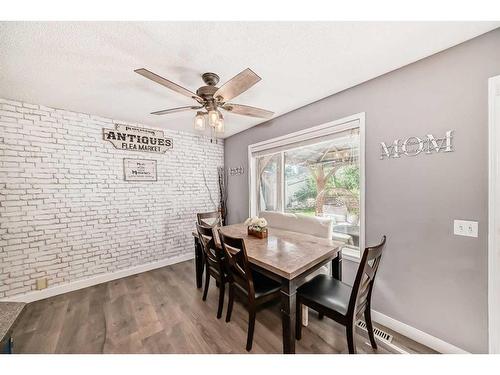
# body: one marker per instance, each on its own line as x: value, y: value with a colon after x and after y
x: 66, y: 212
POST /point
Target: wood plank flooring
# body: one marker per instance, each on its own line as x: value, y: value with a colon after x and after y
x: 161, y: 311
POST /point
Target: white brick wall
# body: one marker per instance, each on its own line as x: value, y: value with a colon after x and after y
x: 67, y: 214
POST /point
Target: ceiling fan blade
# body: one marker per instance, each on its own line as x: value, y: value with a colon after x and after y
x: 168, y: 84
x: 237, y: 85
x: 246, y: 110
x: 173, y: 110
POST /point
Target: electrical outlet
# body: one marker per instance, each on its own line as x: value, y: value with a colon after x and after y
x: 465, y: 228
x: 41, y: 283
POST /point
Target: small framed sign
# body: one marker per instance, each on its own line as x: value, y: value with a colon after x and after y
x: 139, y: 170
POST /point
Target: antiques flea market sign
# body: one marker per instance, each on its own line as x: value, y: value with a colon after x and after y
x: 125, y: 137
x: 412, y: 146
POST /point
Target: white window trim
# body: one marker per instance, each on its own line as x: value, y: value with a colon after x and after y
x: 493, y: 219
x: 306, y: 134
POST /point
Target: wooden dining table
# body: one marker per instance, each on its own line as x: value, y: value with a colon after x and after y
x: 287, y: 257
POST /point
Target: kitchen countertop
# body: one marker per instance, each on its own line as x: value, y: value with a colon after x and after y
x: 9, y: 313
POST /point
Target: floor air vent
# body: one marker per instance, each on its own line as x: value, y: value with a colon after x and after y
x: 379, y: 334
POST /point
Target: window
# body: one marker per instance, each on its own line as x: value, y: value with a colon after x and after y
x: 316, y: 172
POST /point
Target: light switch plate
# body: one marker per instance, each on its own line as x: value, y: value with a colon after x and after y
x: 465, y: 228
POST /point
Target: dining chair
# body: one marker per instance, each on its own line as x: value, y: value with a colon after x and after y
x: 209, y: 219
x: 338, y: 301
x: 254, y: 288
x: 214, y: 264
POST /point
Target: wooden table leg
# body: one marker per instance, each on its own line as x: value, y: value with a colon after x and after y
x: 288, y: 315
x: 337, y: 266
x: 198, y: 259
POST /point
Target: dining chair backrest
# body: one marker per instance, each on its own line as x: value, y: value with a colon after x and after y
x: 210, y: 219
x: 213, y: 255
x: 365, y: 277
x: 237, y: 264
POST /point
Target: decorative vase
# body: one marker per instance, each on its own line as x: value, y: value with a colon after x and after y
x: 259, y: 234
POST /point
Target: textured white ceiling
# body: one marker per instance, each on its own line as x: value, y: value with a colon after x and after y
x: 88, y: 67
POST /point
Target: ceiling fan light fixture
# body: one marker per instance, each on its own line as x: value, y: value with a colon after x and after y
x: 199, y: 121
x: 213, y: 118
x: 220, y: 125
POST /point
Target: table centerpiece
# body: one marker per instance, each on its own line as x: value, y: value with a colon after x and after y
x: 257, y: 227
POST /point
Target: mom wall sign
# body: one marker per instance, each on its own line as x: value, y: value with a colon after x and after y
x: 132, y: 138
x: 413, y: 146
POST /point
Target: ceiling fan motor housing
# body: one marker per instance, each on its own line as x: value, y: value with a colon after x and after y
x: 207, y: 92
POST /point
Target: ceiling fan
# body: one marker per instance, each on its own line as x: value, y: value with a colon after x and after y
x: 211, y: 98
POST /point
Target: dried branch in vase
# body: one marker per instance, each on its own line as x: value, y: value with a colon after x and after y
x: 208, y: 189
x: 222, y: 193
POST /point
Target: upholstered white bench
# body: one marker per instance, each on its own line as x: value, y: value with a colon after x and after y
x: 315, y: 226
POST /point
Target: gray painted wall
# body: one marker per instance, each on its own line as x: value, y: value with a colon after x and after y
x: 429, y: 278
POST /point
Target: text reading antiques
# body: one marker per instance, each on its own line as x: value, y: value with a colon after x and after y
x: 131, y: 138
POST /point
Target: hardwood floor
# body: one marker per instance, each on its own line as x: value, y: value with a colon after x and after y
x: 161, y: 311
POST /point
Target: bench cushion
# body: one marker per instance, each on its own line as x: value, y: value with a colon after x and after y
x: 315, y: 226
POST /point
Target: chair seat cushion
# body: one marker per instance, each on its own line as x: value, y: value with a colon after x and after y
x: 328, y: 292
x: 263, y: 285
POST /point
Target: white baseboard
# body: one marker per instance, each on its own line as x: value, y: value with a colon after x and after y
x: 65, y: 288
x: 417, y: 335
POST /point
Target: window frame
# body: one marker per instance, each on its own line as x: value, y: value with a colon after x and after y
x: 332, y: 127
